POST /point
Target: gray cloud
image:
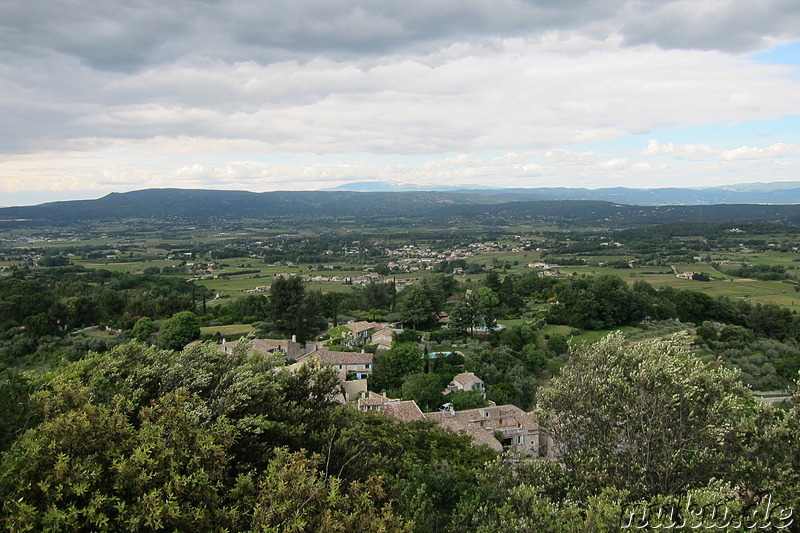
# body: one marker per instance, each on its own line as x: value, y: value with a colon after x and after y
x: 114, y: 80
x: 130, y: 36
x: 737, y: 26
x: 505, y: 94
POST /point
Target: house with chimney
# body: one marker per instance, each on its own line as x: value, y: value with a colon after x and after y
x: 403, y: 410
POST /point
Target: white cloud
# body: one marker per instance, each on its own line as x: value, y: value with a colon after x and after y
x: 695, y: 152
x: 755, y: 152
x: 522, y: 169
x: 702, y: 152
x: 618, y: 162
x: 569, y: 156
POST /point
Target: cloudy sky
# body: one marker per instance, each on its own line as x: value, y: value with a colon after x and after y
x: 107, y: 95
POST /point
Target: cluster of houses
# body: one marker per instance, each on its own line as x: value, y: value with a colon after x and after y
x: 410, y: 258
x: 500, y: 427
x: 545, y: 270
x: 364, y: 279
x: 503, y: 427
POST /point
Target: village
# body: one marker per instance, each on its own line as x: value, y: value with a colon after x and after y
x: 500, y: 427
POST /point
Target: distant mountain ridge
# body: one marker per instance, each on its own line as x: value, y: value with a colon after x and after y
x: 443, y: 208
x: 781, y: 193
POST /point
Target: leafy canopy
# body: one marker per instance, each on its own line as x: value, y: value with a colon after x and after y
x: 651, y: 417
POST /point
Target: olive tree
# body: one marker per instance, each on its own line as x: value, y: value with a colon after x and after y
x: 651, y: 418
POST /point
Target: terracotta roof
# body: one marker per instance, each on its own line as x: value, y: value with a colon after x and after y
x: 372, y: 398
x: 466, y: 377
x: 358, y: 327
x: 485, y: 419
x: 341, y: 358
x: 370, y: 401
x: 463, y: 423
x: 383, y: 333
x: 482, y: 437
x: 406, y: 411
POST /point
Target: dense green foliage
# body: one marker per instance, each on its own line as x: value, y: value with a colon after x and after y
x: 39, y: 307
x: 202, y: 440
x: 73, y: 297
x: 646, y: 417
x: 141, y: 438
x: 178, y: 331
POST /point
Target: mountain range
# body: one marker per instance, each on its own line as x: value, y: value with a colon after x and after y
x: 617, y: 207
x: 779, y: 193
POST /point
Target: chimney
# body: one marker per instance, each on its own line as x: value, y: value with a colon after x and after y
x: 452, y: 410
x: 294, y: 338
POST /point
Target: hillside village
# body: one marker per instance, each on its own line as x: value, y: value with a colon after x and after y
x: 500, y: 427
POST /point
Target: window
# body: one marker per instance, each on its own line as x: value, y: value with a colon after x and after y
x: 520, y: 439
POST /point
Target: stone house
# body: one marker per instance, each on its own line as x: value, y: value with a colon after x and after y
x: 503, y: 427
x: 383, y: 339
x: 357, y: 365
x: 403, y: 410
x: 466, y: 381
x: 363, y: 331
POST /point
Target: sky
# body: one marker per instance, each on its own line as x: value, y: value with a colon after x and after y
x: 100, y: 96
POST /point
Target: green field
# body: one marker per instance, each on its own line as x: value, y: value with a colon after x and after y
x: 509, y: 323
x: 777, y: 292
x: 141, y: 244
x: 633, y: 334
x: 553, y: 328
x: 114, y: 266
x: 232, y: 329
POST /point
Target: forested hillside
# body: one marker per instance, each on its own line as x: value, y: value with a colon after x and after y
x: 436, y: 208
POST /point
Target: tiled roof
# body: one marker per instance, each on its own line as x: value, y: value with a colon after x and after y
x: 467, y: 377
x: 498, y: 417
x: 358, y: 327
x: 406, y: 411
x: 371, y: 401
x: 342, y: 358
x: 482, y: 437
